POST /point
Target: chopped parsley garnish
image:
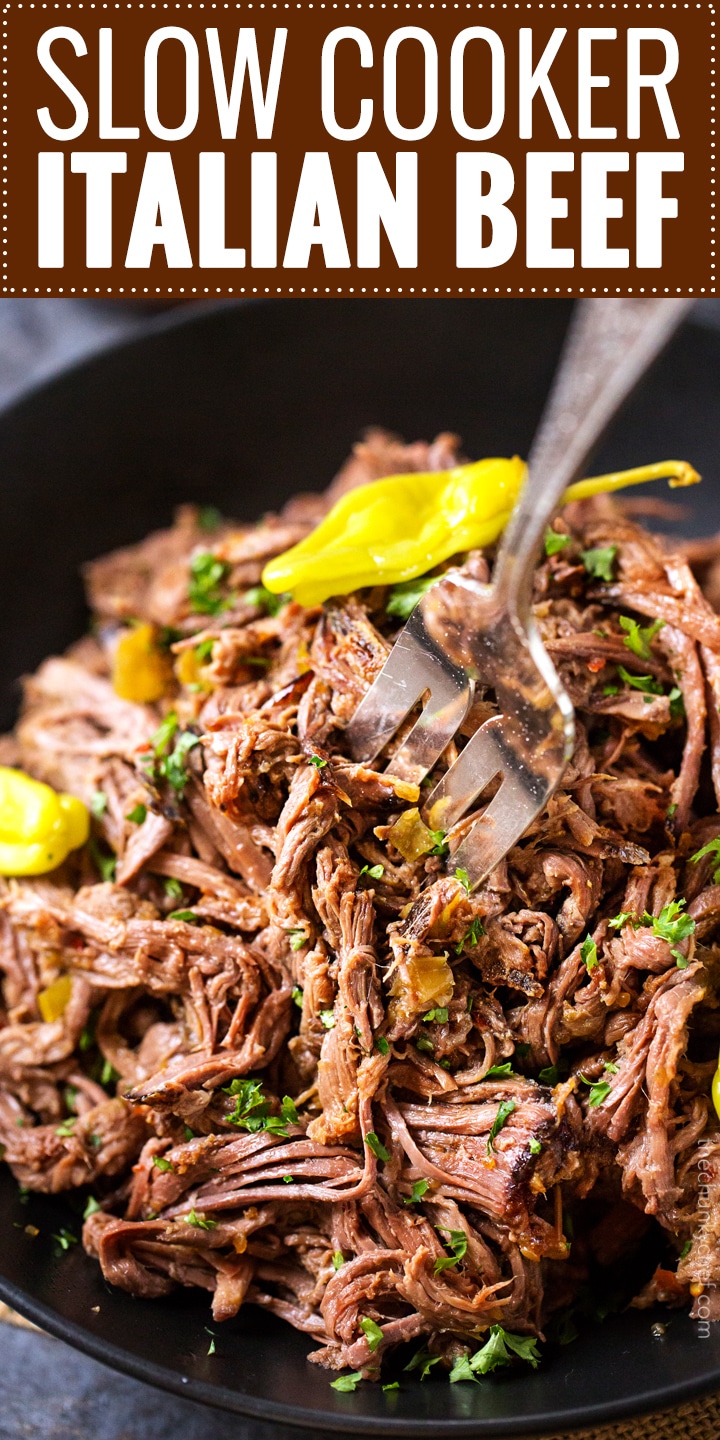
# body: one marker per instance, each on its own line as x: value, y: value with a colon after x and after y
x: 98, y: 803
x: 375, y: 872
x: 499, y: 1071
x: 381, y: 1044
x: 265, y: 600
x: 347, y: 1383
x: 189, y: 916
x: 372, y: 1332
x: 161, y: 1163
x: 108, y: 1075
x: 423, y: 1361
x: 288, y: 1110
x: 464, y: 878
x: 66, y: 1129
x: 298, y: 938
x: 498, y: 1351
x: 505, y: 1110
x: 209, y: 517
x: 599, y: 1090
x: 297, y: 995
x: 328, y: 1019
x: 555, y: 541
x: 418, y: 1190
x: 457, y: 1244
x: 424, y: 1042
x: 166, y: 763
x: 338, y: 1259
x: 712, y: 848
x: 671, y: 812
x: 440, y: 845
x: 317, y: 762
x: 65, y: 1238
x: 646, y: 683
x: 137, y: 815
x: 188, y: 1134
x: 375, y: 1144
x: 638, y: 637
x: 91, y: 1207
x: 677, y: 704
x: 211, y: 1346
x: 439, y: 1015
x: 200, y: 1221
x: 535, y: 1145
x: 394, y: 1385
x: 471, y: 936
x: 288, y: 1179
x: 173, y: 889
x: 588, y: 953
x: 672, y: 925
x: 403, y: 598
x: 105, y: 864
x: 599, y: 563
x: 206, y: 576
x: 553, y: 1073
x: 687, y: 1247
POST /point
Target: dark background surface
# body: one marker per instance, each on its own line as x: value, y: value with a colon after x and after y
x: 242, y: 408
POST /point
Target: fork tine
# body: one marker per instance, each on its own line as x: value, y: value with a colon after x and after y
x: 518, y: 801
x: 414, y: 666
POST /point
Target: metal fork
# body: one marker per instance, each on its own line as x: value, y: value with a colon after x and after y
x: 462, y: 631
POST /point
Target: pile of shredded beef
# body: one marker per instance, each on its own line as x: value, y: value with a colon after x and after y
x: 254, y: 1081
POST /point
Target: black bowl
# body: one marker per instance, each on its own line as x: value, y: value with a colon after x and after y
x: 241, y: 407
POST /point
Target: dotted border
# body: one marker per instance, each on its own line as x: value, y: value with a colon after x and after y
x: 416, y: 291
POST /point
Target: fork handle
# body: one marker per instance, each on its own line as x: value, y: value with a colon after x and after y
x: 609, y: 346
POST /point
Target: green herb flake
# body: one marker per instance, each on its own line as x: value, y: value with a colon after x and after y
x: 338, y: 1259
x: 189, y: 917
x: 65, y: 1238
x: 297, y: 996
x: 687, y: 1247
x: 136, y: 817
x: 599, y: 1090
x: 206, y: 576
x: 498, y: 1351
x: 109, y: 1075
x: 209, y: 517
x: 712, y: 848
x: 288, y: 1179
x: 439, y: 1015
x: 66, y: 1129
x: 394, y: 1385
x: 211, y: 1346
x: 555, y: 541
x: 375, y: 1144
x: 382, y: 1045
x: 347, y: 1384
x: 298, y: 938
x: 505, y: 1110
x: 673, y: 926
x: 328, y: 1019
x: 535, y: 1145
x: 372, y: 1332
x: 599, y: 563
x: 317, y: 762
x: 499, y: 1072
x: 457, y: 1244
x: 646, y: 683
x: 464, y: 878
x: 418, y: 1190
x: 588, y: 953
x: 471, y: 936
x: 424, y: 1043
x: 375, y: 872
x: 161, y: 1163
x: 265, y: 600
x: 423, y: 1361
x: 160, y: 741
x: 439, y: 846
x: 200, y: 1221
x: 173, y: 889
x: 98, y: 803
x: 403, y: 598
x: 91, y: 1207
x: 288, y: 1110
x: 105, y: 864
x: 638, y: 637
x: 188, y: 1133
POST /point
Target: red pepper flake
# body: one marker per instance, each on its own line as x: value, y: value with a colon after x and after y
x: 595, y: 665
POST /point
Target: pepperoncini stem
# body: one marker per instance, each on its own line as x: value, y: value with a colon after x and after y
x: 395, y: 529
x: 678, y: 473
x: 38, y: 827
x: 716, y: 1090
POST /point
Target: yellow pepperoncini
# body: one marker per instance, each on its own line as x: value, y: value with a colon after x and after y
x: 54, y: 1000
x: 716, y: 1090
x: 396, y: 529
x: 411, y: 836
x: 38, y: 827
x: 141, y: 671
